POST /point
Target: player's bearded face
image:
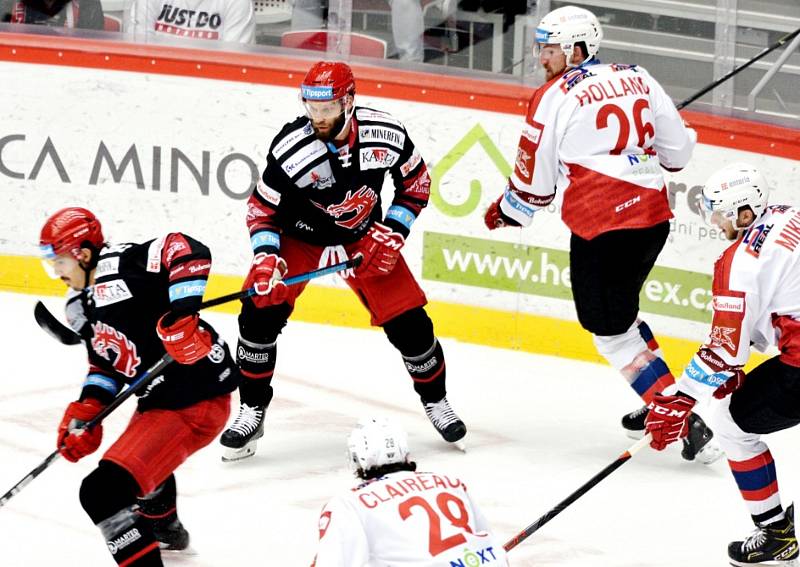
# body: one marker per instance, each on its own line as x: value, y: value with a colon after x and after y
x: 327, y: 117
x: 552, y: 59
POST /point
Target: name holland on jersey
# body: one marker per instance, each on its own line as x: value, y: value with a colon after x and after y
x: 387, y: 491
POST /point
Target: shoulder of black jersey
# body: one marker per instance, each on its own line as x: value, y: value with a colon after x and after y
x: 292, y: 133
x: 366, y: 115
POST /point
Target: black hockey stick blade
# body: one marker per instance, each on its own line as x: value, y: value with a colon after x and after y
x: 621, y: 460
x: 53, y: 327
x: 143, y: 380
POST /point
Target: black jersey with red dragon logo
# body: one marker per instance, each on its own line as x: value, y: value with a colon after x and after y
x: 325, y: 194
x: 135, y: 284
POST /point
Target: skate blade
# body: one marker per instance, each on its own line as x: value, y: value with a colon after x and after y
x: 232, y: 455
x: 710, y: 453
x: 178, y: 552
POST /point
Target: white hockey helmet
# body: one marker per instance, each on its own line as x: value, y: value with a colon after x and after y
x: 734, y: 186
x: 569, y: 25
x: 376, y: 442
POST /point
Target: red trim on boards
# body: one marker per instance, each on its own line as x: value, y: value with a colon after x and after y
x: 281, y: 70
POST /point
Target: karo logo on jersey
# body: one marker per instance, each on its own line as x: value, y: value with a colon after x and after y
x: 108, y: 293
x: 375, y: 158
x: 360, y: 204
x: 108, y: 342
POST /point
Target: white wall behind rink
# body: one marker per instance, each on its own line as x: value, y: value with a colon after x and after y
x: 61, y: 121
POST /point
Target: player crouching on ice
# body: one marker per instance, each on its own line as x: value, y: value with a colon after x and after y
x: 756, y: 302
x: 394, y: 515
x: 119, y: 294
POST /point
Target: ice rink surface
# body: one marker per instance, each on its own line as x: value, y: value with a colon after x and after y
x: 539, y: 427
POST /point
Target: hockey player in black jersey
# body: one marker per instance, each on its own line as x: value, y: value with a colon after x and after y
x: 318, y: 202
x: 121, y: 295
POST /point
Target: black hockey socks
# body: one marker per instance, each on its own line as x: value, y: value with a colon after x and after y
x: 159, y: 509
x: 108, y: 495
x: 130, y: 539
x: 257, y: 364
x: 428, y: 373
x: 412, y: 334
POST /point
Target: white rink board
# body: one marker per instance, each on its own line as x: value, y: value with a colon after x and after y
x: 65, y: 119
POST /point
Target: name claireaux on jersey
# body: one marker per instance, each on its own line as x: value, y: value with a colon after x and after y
x: 403, y: 487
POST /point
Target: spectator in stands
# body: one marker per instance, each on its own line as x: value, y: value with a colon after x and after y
x: 85, y: 14
x: 408, y: 24
x: 218, y: 20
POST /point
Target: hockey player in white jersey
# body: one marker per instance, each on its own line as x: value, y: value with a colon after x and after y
x: 397, y: 516
x: 756, y: 303
x: 599, y: 135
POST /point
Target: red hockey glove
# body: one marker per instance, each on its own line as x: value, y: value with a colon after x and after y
x: 731, y: 384
x: 494, y: 217
x: 668, y: 419
x: 380, y: 248
x: 184, y: 340
x: 265, y: 276
x: 75, y: 446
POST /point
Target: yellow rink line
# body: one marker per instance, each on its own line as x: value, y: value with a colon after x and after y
x: 334, y: 306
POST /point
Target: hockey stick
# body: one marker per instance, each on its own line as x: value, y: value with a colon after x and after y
x: 59, y: 331
x: 143, y: 380
x: 147, y: 376
x: 786, y: 38
x: 621, y: 460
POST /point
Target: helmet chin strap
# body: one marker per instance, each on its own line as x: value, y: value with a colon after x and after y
x: 348, y: 114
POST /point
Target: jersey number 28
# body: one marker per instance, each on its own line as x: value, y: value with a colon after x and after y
x: 436, y: 543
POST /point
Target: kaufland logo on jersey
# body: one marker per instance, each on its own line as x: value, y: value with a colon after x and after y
x: 316, y: 92
x: 727, y: 303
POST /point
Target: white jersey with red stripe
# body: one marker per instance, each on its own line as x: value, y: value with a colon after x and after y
x: 217, y: 20
x: 406, y: 519
x: 599, y: 135
x: 756, y: 301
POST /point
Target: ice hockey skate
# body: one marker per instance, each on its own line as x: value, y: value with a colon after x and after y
x: 173, y: 537
x: 446, y: 422
x: 699, y: 443
x: 633, y: 423
x: 772, y: 544
x: 241, y: 438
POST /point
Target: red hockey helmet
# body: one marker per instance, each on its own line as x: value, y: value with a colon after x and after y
x: 68, y: 230
x: 328, y: 80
